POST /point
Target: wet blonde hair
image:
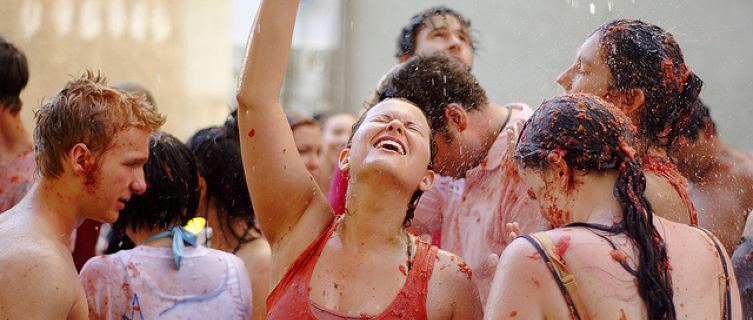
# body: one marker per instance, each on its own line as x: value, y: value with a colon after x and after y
x: 90, y: 112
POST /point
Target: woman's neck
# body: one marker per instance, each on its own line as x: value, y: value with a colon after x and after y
x: 138, y: 237
x: 14, y: 140
x: 373, y: 215
x: 602, y: 207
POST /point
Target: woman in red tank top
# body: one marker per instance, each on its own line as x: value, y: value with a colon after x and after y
x: 364, y: 264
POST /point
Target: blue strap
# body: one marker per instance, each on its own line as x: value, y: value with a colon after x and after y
x: 179, y: 235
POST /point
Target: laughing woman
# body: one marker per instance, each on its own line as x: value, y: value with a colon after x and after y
x: 363, y: 265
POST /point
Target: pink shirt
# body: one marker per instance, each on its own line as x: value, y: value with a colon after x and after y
x: 143, y: 283
x: 16, y: 177
x: 472, y: 212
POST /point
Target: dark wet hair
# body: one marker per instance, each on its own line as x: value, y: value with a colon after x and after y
x: 432, y: 153
x: 592, y: 135
x: 406, y: 43
x: 644, y: 56
x: 173, y: 188
x: 432, y: 82
x: 14, y: 75
x: 699, y: 119
x: 218, y: 152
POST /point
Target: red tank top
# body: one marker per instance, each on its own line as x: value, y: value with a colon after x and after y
x: 290, y: 299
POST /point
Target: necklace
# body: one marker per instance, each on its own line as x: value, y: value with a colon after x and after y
x: 409, y: 250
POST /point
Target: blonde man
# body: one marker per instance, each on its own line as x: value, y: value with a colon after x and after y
x: 91, y: 143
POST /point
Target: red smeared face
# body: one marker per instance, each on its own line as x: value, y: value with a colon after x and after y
x: 117, y: 174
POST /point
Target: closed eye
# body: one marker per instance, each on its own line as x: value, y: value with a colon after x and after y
x: 439, y: 33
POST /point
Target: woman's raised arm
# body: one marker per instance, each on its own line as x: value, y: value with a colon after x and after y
x: 281, y: 188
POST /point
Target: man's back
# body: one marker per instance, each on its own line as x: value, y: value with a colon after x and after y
x: 39, y: 280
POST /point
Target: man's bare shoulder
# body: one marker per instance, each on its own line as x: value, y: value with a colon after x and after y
x: 39, y: 279
x: 37, y: 283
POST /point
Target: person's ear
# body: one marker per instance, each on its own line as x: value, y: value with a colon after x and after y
x: 427, y: 181
x: 343, y: 163
x: 708, y: 129
x: 456, y: 116
x: 81, y: 159
x: 630, y: 101
x: 560, y: 171
x: 203, y: 201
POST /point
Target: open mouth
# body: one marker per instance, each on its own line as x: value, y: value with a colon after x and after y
x: 392, y: 145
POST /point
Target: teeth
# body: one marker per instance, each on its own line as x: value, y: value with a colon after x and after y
x: 391, y: 143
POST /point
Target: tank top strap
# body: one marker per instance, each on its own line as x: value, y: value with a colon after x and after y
x: 724, y: 276
x: 426, y: 254
x: 296, y: 279
x: 410, y: 302
x: 561, y: 274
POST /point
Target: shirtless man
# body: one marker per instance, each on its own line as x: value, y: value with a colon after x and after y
x: 721, y: 178
x: 16, y: 150
x: 91, y: 144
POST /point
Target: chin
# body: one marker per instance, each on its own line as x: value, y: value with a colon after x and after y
x: 112, y: 217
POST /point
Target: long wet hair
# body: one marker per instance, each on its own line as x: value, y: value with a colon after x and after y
x: 432, y: 153
x: 644, y: 56
x: 172, y: 194
x: 592, y: 135
x: 218, y: 152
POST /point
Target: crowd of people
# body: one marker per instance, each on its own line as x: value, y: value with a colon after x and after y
x: 616, y: 199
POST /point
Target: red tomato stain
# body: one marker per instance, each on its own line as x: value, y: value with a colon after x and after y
x: 251, y: 133
x: 402, y: 269
x: 624, y: 316
x: 14, y: 179
x: 562, y: 245
x: 465, y: 269
x: 536, y: 282
x: 513, y: 313
x: 92, y: 179
x: 663, y: 167
x: 534, y: 256
x: 283, y: 150
x: 617, y: 255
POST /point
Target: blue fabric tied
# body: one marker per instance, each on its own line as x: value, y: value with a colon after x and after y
x: 179, y: 235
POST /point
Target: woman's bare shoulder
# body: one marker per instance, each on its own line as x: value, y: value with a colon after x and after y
x: 452, y: 285
x: 255, y: 254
